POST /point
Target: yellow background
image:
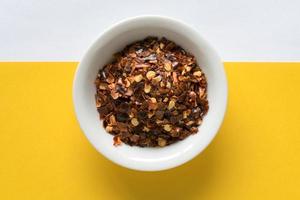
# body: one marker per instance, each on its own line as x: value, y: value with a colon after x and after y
x: 44, y: 155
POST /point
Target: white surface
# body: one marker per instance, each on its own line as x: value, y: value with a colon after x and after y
x: 267, y: 30
x: 149, y: 159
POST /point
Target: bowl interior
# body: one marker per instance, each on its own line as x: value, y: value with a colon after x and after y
x: 100, y: 53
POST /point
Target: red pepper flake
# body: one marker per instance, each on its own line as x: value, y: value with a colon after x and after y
x: 152, y: 95
x: 117, y: 141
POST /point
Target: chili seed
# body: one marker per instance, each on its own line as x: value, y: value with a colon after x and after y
x: 138, y: 78
x: 134, y: 122
x: 161, y: 142
x: 150, y: 75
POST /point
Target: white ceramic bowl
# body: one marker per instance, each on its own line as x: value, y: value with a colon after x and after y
x: 100, y: 53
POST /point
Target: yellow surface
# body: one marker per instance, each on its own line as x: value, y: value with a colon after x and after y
x: 44, y: 155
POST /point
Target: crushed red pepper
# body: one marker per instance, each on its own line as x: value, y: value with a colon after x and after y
x: 152, y: 94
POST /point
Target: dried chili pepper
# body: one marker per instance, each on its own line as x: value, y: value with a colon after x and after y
x: 152, y: 94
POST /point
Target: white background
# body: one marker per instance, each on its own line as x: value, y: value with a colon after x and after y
x: 61, y: 30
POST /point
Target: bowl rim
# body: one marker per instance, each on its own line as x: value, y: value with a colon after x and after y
x: 223, y: 108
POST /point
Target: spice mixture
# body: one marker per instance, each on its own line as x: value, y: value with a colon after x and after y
x: 152, y: 94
